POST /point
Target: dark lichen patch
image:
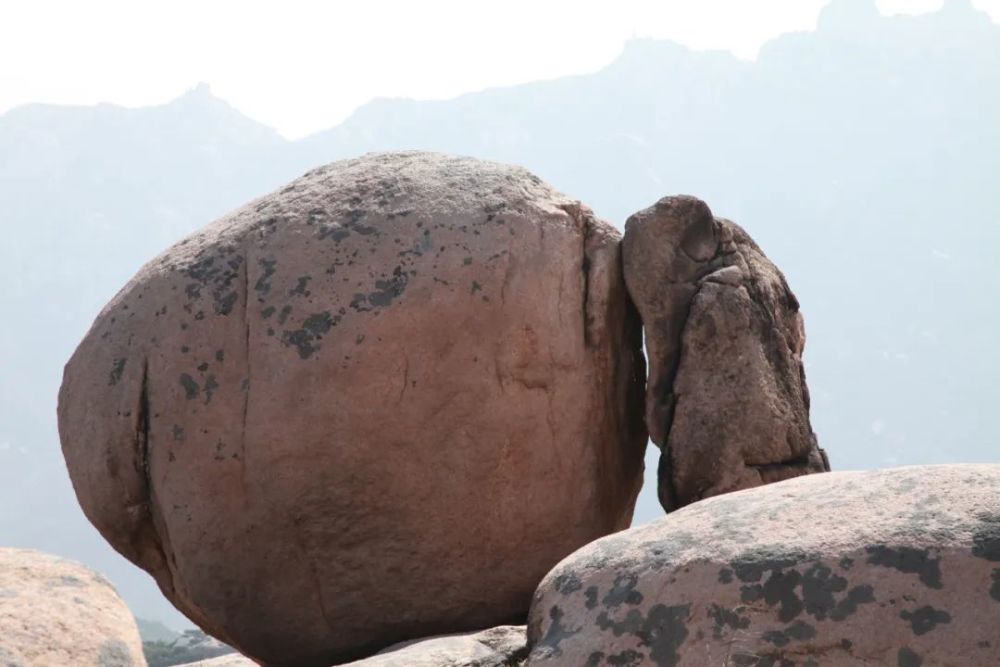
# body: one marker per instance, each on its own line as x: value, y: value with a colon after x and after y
x: 664, y: 633
x: 224, y: 305
x: 191, y: 388
x: 986, y: 538
x: 220, y: 356
x: 313, y: 328
x: 925, y: 619
x: 725, y: 575
x: 385, y: 292
x: 623, y: 591
x: 995, y: 588
x: 567, y: 583
x: 590, y: 597
x: 594, y: 659
x: 178, y: 433
x: 300, y: 288
x: 726, y: 618
x: 909, y: 561
x: 210, y: 386
x: 556, y: 633
x: 905, y: 657
x: 117, y: 368
x: 263, y: 284
x: 626, y: 658
x: 629, y: 625
x: 779, y: 589
x: 283, y: 315
x: 797, y: 631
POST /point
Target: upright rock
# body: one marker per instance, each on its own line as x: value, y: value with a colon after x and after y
x: 376, y: 405
x: 896, y: 567
x: 54, y: 613
x: 727, y: 401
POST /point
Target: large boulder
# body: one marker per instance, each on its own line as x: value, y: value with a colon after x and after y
x: 54, y: 613
x: 727, y: 401
x: 376, y: 405
x: 898, y: 567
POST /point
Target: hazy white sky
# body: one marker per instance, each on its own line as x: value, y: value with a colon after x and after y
x: 304, y: 65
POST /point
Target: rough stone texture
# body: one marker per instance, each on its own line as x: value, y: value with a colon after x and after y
x: 55, y: 613
x: 503, y: 646
x: 332, y: 420
x: 895, y: 567
x: 727, y: 401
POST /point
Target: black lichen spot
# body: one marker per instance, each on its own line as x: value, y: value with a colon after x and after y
x: 475, y: 287
x: 283, y: 315
x: 210, y: 386
x: 725, y: 575
x: 779, y: 589
x: 178, y: 432
x: 818, y: 587
x: 312, y: 329
x: 627, y: 658
x: 590, y: 597
x: 623, y: 591
x: 267, y: 312
x: 568, y: 583
x: 909, y: 561
x: 300, y: 287
x: 846, y: 563
x: 467, y: 261
x: 664, y: 632
x: 925, y: 619
x: 220, y: 356
x: 224, y: 305
x: 995, y: 588
x: 117, y: 368
x: 986, y: 538
x: 594, y: 659
x: 557, y: 632
x: 907, y: 658
x: 726, y: 618
x: 849, y: 605
x: 191, y: 388
x: 263, y: 284
x: 203, y: 366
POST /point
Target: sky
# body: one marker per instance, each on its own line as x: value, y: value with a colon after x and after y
x: 301, y: 66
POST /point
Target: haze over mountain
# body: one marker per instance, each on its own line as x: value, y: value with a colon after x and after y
x: 863, y: 158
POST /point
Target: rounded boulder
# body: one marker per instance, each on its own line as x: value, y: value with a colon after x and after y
x: 55, y: 612
x: 375, y: 405
x: 890, y: 567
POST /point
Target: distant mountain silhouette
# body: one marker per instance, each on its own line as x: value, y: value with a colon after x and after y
x: 863, y: 157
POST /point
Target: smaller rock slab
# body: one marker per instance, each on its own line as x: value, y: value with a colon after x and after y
x: 896, y: 567
x: 502, y: 646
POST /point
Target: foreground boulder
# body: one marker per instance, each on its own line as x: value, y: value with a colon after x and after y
x: 376, y: 405
x: 727, y: 401
x: 54, y: 612
x: 503, y: 646
x: 896, y: 567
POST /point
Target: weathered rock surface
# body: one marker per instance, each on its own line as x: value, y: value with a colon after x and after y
x: 333, y: 419
x: 897, y: 567
x: 54, y: 613
x: 502, y: 646
x: 727, y: 401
